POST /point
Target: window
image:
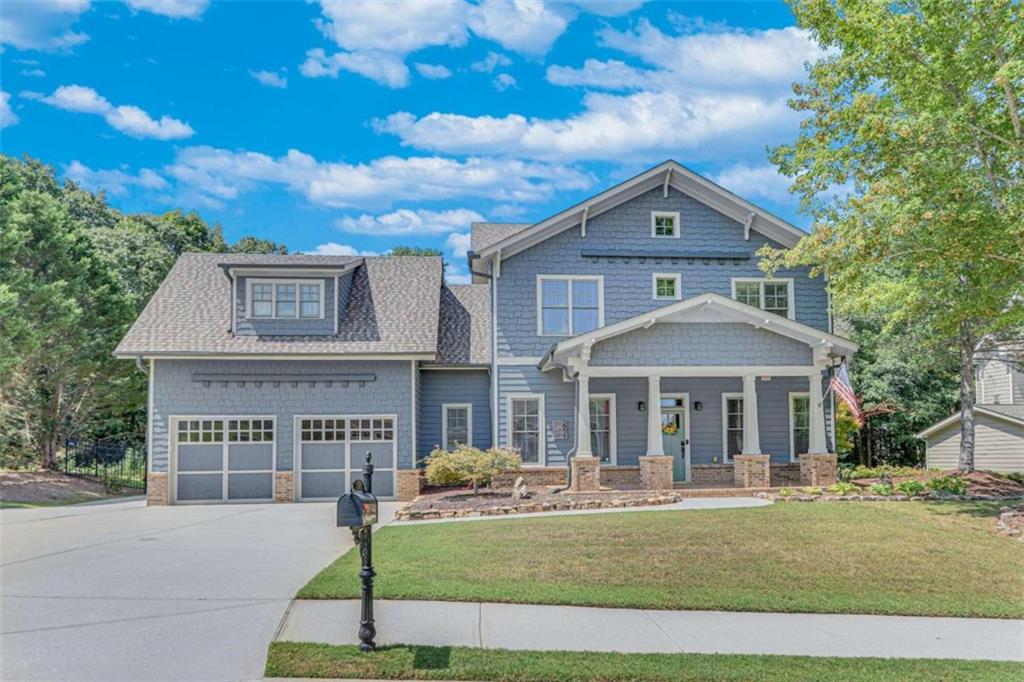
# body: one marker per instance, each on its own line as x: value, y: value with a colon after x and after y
x: 322, y: 430
x: 773, y: 296
x: 456, y: 425
x: 526, y: 434
x: 568, y: 306
x: 799, y: 424
x: 602, y: 427
x: 664, y: 225
x: 732, y: 424
x: 666, y: 287
x: 285, y: 300
x: 250, y: 430
x: 200, y: 431
x: 368, y: 430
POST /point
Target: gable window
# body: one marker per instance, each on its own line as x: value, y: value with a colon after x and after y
x: 456, y: 425
x: 666, y: 287
x: 799, y: 424
x: 567, y: 306
x: 664, y: 224
x: 602, y: 427
x: 285, y: 300
x: 770, y: 295
x: 526, y: 427
x: 732, y: 425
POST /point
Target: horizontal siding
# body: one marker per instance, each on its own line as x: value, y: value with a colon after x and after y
x: 998, y: 446
x: 995, y: 388
x: 559, y: 403
x: 453, y: 386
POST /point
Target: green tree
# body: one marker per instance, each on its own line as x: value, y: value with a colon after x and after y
x: 415, y: 251
x: 914, y: 114
x: 257, y: 245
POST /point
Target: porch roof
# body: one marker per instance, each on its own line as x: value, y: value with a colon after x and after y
x: 707, y: 307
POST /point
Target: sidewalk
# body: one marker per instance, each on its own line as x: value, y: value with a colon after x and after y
x: 572, y: 628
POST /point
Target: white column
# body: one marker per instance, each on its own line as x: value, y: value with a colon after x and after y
x: 816, y: 441
x: 583, y: 417
x: 655, y: 446
x: 751, y: 437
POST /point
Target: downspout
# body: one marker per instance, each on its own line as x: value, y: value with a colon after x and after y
x: 138, y: 364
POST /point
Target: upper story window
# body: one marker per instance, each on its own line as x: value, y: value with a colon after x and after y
x: 569, y: 305
x: 664, y: 224
x: 773, y: 296
x: 666, y: 287
x: 286, y: 299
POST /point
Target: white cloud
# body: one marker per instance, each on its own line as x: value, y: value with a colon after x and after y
x: 606, y: 75
x: 504, y: 81
x: 385, y: 68
x: 7, y: 115
x: 458, y: 243
x: 33, y: 73
x: 42, y: 24
x: 411, y: 222
x: 128, y: 119
x: 175, y: 9
x: 433, y: 71
x: 114, y: 181
x: 270, y: 78
x: 225, y: 174
x: 756, y: 182
x: 336, y: 249
x: 528, y: 26
x: 489, y: 63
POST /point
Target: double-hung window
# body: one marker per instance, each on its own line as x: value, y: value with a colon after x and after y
x: 456, y: 425
x: 286, y: 300
x: 799, y: 424
x: 602, y: 427
x: 568, y: 306
x: 526, y: 427
x: 732, y: 425
x: 771, y: 295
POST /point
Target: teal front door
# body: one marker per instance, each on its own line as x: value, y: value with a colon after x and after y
x: 675, y: 434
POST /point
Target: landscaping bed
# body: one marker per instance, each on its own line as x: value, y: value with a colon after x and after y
x: 450, y: 503
x: 925, y: 485
x: 40, y: 488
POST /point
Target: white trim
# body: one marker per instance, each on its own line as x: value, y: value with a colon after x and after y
x: 569, y: 279
x: 678, y: 277
x: 177, y: 355
x: 495, y: 407
x: 676, y: 371
x: 613, y: 436
x: 542, y: 441
x: 676, y: 227
x: 234, y: 303
x: 686, y: 424
x: 149, y: 416
x: 337, y: 313
x: 414, y: 381
x: 291, y: 272
x: 224, y: 471
x: 274, y: 283
x: 956, y: 416
x: 347, y: 470
x: 793, y: 396
x: 761, y: 281
x: 726, y: 459
x: 444, y: 422
x: 521, y: 360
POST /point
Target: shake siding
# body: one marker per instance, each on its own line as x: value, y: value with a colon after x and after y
x: 285, y: 327
x: 453, y: 386
x: 998, y: 445
x: 559, y: 403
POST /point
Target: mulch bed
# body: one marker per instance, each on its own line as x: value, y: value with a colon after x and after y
x: 450, y: 503
x: 36, y: 487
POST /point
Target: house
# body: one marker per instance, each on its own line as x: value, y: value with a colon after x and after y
x: 998, y: 416
x: 630, y: 340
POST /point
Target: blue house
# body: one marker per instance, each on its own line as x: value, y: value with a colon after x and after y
x: 630, y: 340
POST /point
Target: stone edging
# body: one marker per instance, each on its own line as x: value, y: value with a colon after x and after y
x: 803, y: 497
x: 1003, y: 526
x: 536, y: 507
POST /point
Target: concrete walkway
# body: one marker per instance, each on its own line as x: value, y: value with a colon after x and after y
x: 689, y: 504
x: 571, y: 628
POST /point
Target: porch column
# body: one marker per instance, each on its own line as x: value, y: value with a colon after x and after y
x: 816, y: 441
x: 751, y: 437
x: 583, y: 448
x: 655, y: 446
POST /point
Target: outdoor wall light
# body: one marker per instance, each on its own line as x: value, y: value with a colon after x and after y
x: 642, y: 406
x: 698, y: 405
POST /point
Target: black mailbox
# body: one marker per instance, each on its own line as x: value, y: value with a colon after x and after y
x: 357, y: 508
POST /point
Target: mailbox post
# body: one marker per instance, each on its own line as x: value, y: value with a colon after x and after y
x: 358, y: 510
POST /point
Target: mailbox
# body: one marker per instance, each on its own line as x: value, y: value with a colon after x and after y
x: 357, y: 508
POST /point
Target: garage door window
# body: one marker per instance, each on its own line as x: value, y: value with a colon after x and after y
x: 250, y: 431
x: 201, y: 431
x: 368, y: 430
x: 322, y: 430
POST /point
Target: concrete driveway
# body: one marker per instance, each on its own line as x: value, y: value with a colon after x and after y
x: 121, y: 591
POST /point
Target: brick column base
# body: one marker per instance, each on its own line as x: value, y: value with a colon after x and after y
x: 284, y: 486
x: 158, y: 493
x: 410, y: 484
x: 818, y: 469
x: 752, y: 471
x: 656, y: 472
x: 584, y: 474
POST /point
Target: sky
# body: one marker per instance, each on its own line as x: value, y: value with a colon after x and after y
x: 351, y: 127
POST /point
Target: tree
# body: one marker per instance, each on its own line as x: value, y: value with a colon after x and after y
x: 414, y: 251
x: 910, y: 161
x: 467, y: 464
x: 257, y: 245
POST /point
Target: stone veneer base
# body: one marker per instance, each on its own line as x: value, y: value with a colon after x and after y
x: 656, y: 472
x: 409, y: 484
x: 158, y: 492
x: 585, y: 474
x: 284, y: 486
x: 752, y: 471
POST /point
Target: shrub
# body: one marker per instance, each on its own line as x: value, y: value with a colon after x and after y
x: 1015, y: 476
x: 952, y: 485
x: 880, y: 471
x: 842, y: 488
x: 469, y: 465
x: 911, y: 487
x: 786, y: 492
x: 811, y: 490
x: 881, y: 489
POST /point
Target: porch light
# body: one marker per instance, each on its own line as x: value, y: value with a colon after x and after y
x: 641, y: 406
x: 698, y: 405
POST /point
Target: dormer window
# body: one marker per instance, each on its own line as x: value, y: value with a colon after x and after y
x: 286, y: 300
x: 664, y: 225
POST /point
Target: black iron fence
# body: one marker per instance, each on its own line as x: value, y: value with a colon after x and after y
x: 118, y: 463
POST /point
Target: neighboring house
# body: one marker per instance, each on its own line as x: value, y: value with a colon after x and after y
x: 998, y: 416
x: 629, y: 340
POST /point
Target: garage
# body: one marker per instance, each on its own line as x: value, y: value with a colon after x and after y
x: 223, y: 459
x: 332, y: 448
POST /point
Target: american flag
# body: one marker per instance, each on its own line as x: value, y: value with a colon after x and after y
x: 844, y: 389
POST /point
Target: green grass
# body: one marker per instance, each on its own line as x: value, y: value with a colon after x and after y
x: 78, y: 499
x: 291, y: 659
x: 909, y: 558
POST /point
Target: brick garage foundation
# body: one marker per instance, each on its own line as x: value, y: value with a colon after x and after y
x: 585, y: 474
x: 158, y: 493
x: 818, y: 469
x: 752, y: 471
x: 656, y: 472
x: 542, y: 476
x: 284, y: 486
x: 409, y: 485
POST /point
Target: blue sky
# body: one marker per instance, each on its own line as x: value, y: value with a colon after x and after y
x: 341, y: 127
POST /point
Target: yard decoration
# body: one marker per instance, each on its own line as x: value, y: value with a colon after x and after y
x: 519, y: 489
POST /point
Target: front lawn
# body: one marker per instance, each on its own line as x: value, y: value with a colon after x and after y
x: 290, y: 659
x: 908, y: 558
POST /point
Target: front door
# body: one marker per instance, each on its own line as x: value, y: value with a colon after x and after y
x: 675, y: 433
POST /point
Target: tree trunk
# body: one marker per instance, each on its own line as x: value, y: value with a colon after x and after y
x: 966, y: 462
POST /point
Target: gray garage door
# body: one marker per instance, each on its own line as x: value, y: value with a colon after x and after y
x: 332, y: 449
x: 224, y: 459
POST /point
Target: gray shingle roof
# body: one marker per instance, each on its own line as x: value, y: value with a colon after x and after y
x: 392, y: 308
x: 464, y: 328
x: 483, y: 235
x: 1013, y: 411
